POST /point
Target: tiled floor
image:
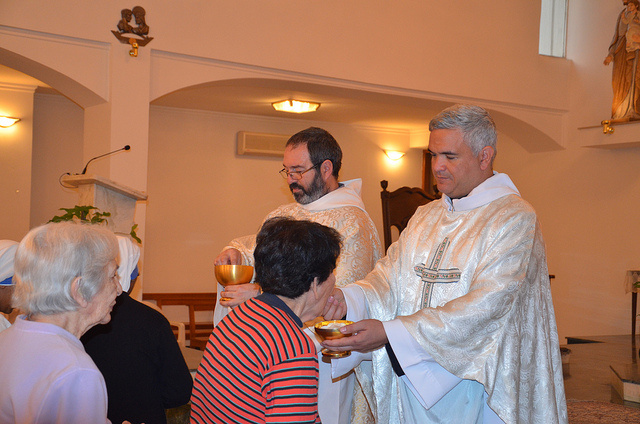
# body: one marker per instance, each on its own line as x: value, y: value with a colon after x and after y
x: 589, y: 367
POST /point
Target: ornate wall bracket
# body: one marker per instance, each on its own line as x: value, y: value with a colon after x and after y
x: 607, y: 124
x: 136, y: 36
x: 606, y: 127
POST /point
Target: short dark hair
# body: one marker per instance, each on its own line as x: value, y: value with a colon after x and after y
x: 321, y: 146
x: 290, y: 254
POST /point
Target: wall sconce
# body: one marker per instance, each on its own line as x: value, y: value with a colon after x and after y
x: 295, y: 106
x: 394, y: 154
x: 7, y: 121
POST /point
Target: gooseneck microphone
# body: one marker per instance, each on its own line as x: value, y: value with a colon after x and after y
x: 127, y: 147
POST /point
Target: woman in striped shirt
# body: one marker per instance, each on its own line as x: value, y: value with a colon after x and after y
x: 259, y: 366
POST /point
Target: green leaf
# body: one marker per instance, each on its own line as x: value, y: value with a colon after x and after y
x: 134, y: 235
x: 82, y: 213
x: 91, y: 214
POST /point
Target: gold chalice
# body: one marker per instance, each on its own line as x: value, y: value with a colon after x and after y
x: 228, y: 275
x: 329, y: 330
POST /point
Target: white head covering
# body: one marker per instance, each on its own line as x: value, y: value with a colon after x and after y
x: 7, y: 253
x: 129, y: 255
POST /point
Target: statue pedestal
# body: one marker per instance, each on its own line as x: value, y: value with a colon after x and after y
x: 108, y: 196
x: 625, y: 379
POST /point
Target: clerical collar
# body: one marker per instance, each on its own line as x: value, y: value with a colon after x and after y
x: 494, y: 187
x: 348, y: 194
x: 276, y: 302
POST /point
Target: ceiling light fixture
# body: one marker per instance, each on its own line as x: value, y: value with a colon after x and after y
x: 295, y: 106
x: 394, y: 154
x: 7, y: 121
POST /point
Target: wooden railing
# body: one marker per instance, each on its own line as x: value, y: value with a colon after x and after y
x: 199, y: 332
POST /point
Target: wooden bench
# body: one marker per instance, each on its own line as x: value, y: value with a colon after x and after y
x: 199, y: 332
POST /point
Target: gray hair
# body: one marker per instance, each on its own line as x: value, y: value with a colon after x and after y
x: 477, y: 126
x: 51, y: 256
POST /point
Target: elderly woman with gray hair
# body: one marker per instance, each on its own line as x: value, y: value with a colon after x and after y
x: 66, y: 282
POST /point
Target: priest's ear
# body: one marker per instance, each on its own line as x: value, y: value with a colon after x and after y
x: 486, y: 157
x: 326, y: 169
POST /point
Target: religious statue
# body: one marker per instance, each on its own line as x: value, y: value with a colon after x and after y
x: 142, y: 29
x: 137, y: 35
x: 124, y: 25
x: 623, y: 52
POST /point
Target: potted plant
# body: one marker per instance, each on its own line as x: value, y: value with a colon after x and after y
x: 90, y: 214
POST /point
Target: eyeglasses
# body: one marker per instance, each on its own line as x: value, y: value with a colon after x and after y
x: 296, y: 175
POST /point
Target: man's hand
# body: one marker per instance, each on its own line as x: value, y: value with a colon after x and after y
x: 235, y: 294
x: 368, y: 335
x: 336, y: 307
x: 229, y: 257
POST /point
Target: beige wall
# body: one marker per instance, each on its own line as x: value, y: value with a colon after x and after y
x: 588, y: 206
x: 201, y: 194
x: 15, y: 161
x: 57, y: 150
x: 477, y: 49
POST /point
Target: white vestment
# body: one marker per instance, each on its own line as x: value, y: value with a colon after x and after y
x: 466, y: 296
x: 343, y: 210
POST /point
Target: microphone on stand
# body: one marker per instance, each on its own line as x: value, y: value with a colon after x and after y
x: 127, y: 147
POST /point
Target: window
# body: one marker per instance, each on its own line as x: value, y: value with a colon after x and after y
x: 553, y: 28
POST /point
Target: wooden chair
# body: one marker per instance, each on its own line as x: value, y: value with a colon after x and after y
x: 199, y: 332
x: 399, y: 206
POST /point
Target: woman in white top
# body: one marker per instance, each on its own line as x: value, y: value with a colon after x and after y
x: 66, y: 282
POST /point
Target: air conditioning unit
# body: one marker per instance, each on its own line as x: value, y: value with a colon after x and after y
x: 261, y: 144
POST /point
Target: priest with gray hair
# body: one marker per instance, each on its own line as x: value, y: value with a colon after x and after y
x: 458, y: 319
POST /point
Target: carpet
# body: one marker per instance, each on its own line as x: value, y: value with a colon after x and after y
x: 579, y: 411
x: 596, y: 412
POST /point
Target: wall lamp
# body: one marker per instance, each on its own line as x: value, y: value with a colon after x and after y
x: 7, y: 121
x: 394, y: 154
x: 295, y: 106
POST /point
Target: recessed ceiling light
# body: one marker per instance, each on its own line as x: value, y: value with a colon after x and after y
x: 295, y: 106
